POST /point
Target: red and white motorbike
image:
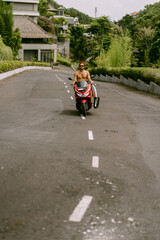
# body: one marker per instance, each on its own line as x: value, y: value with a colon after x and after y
x: 83, y: 96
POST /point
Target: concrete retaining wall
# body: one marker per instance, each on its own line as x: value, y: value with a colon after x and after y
x: 139, y: 85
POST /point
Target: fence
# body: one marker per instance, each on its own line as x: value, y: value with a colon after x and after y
x: 139, y: 85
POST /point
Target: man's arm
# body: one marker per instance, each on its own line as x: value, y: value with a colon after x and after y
x: 89, y: 77
x: 74, y: 79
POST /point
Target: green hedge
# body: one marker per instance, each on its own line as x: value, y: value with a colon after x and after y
x: 145, y: 74
x: 63, y: 61
x: 40, y: 64
x: 10, y: 65
x: 6, y: 66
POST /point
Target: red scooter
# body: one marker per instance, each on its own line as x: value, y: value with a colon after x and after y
x: 83, y: 95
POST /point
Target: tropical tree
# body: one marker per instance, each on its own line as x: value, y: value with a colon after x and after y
x: 92, y: 48
x: 144, y: 33
x: 118, y: 55
x: 155, y: 48
x: 125, y: 22
x: 117, y: 30
x: 143, y: 42
x: 2, y: 28
x: 9, y: 36
x: 78, y: 43
x: 15, y: 42
x: 43, y: 7
x: 100, y: 28
x: 7, y: 21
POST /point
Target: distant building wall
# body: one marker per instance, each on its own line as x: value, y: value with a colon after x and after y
x: 38, y: 51
x: 25, y: 8
x: 64, y: 48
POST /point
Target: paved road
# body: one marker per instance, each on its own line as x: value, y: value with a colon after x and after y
x: 63, y: 177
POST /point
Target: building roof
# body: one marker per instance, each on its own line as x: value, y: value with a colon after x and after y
x: 134, y: 13
x: 61, y: 8
x: 51, y: 8
x: 29, y: 29
x: 24, y: 1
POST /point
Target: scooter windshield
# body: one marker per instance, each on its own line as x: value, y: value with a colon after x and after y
x: 82, y: 84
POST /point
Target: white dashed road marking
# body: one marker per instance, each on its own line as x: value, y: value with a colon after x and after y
x: 83, y: 205
x: 82, y: 117
x: 80, y: 210
x: 90, y: 135
x: 95, y: 161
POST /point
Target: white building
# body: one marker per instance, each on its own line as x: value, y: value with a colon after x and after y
x: 60, y: 13
x: 64, y: 47
x: 25, y: 8
x: 34, y: 38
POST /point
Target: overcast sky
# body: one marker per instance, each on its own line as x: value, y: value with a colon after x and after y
x: 115, y: 9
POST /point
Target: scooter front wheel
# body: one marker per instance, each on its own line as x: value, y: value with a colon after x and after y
x: 83, y: 109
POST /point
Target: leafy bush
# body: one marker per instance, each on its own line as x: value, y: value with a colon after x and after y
x: 145, y: 74
x: 5, y: 52
x: 40, y: 64
x: 46, y: 24
x: 61, y: 37
x: 10, y: 65
x: 6, y: 66
x: 63, y: 61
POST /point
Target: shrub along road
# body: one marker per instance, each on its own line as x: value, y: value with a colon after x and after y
x: 64, y: 177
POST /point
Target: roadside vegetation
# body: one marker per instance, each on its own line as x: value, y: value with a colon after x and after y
x: 5, y: 51
x: 11, y: 38
x: 11, y: 65
x: 145, y: 34
x: 63, y: 61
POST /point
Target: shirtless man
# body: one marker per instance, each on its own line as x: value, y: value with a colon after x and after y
x: 81, y: 75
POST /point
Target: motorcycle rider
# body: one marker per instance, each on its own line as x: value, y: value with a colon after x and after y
x: 83, y: 75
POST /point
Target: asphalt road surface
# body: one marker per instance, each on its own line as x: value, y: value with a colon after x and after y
x: 65, y: 177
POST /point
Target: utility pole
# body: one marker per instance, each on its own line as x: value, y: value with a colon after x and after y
x: 95, y: 12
